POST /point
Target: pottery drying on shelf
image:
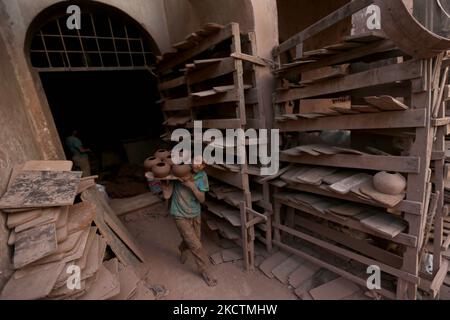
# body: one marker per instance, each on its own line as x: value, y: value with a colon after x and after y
x: 389, y: 183
x: 161, y: 170
x: 149, y: 163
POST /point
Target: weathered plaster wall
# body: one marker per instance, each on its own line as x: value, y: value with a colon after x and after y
x: 296, y: 15
x: 17, y: 142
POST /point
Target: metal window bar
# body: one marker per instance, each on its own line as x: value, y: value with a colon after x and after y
x: 63, y: 43
x: 45, y: 49
x: 114, y: 41
x: 96, y: 39
x: 128, y: 43
x: 143, y: 51
x: 85, y: 60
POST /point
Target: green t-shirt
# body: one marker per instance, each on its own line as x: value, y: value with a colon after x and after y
x: 74, y: 144
x: 184, y: 203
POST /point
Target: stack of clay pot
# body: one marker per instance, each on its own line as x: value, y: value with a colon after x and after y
x: 161, y: 166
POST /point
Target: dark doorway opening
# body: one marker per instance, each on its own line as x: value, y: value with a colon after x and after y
x: 116, y: 115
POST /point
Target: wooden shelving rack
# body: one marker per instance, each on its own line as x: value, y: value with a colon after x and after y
x: 213, y: 78
x: 408, y: 106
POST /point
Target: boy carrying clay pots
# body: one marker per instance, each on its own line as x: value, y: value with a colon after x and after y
x: 186, y: 199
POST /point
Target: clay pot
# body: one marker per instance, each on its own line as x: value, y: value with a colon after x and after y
x: 150, y: 162
x: 389, y: 183
x: 161, y: 170
x: 181, y: 170
x: 168, y: 160
x: 162, y: 154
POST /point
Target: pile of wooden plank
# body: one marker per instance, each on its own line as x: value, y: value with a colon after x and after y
x: 58, y: 245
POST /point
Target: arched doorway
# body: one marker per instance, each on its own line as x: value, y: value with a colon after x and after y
x: 98, y: 80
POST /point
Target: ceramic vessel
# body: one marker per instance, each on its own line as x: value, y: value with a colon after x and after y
x: 150, y: 162
x: 168, y: 160
x: 161, y: 170
x: 389, y: 183
x: 162, y: 154
x: 181, y: 170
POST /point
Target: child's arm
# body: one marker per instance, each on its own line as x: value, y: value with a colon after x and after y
x: 197, y: 193
x: 167, y: 188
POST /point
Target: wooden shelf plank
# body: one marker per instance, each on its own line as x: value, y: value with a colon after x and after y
x: 208, y: 42
x: 362, y: 282
x: 351, y: 255
x: 226, y: 66
x: 402, y: 238
x: 177, y: 104
x: 411, y: 207
x: 373, y: 77
x: 369, y: 162
x: 170, y: 84
x: 382, y: 120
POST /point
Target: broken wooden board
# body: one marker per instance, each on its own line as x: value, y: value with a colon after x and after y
x: 34, y: 244
x: 36, y: 165
x: 129, y: 205
x: 335, y: 290
x: 346, y: 185
x: 106, y: 286
x: 325, y: 73
x: 227, y: 231
x: 33, y: 286
x: 86, y: 183
x: 206, y: 93
x: 272, y: 262
x: 303, y: 273
x: 365, y: 109
x: 113, y: 221
x: 385, y: 199
x: 48, y: 215
x: 36, y: 189
x: 386, y: 103
x: 232, y: 254
x: 348, y: 209
x: 81, y: 216
x: 128, y: 283
x: 216, y: 258
x: 338, y: 176
x: 18, y: 218
x: 63, y: 217
x: 385, y: 224
x: 315, y: 176
x: 74, y: 254
x: 121, y: 250
x: 285, y: 269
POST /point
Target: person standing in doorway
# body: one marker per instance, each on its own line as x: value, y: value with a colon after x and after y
x: 186, y: 199
x: 79, y: 153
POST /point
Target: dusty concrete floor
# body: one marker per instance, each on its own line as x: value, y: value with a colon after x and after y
x: 158, y: 236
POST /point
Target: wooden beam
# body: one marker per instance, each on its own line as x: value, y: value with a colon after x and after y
x: 330, y: 20
x: 406, y: 206
x: 369, y: 162
x: 348, y: 56
x: 351, y: 255
x: 208, y: 42
x: 402, y: 238
x: 231, y: 178
x: 212, y: 71
x: 373, y: 77
x: 172, y: 83
x: 383, y: 120
x: 339, y: 271
x: 352, y: 243
x: 252, y: 59
x: 177, y: 104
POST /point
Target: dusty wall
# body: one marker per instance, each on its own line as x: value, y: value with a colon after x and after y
x: 296, y: 15
x: 17, y: 141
